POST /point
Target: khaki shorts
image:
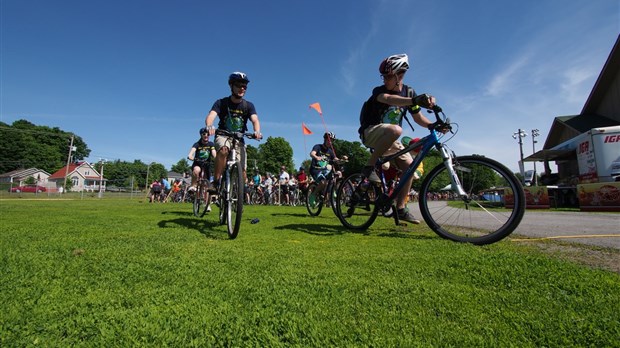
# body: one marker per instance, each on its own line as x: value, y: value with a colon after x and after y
x: 372, y: 135
x: 224, y: 141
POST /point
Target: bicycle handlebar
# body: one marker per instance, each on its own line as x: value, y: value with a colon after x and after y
x: 238, y: 135
x: 441, y: 124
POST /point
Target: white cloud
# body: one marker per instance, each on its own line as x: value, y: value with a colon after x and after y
x: 504, y: 81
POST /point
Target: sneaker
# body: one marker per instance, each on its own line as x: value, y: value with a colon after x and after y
x: 405, y: 215
x: 209, y: 208
x: 191, y: 189
x: 214, y: 187
x: 369, y: 172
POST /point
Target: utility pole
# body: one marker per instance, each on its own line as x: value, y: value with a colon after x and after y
x: 146, y: 185
x: 520, y: 134
x: 101, y: 178
x: 535, y: 133
x: 71, y: 149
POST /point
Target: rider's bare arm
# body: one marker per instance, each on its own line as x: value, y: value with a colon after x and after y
x: 256, y: 126
x: 209, y: 122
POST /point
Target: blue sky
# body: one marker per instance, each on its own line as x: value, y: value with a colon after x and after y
x: 135, y: 79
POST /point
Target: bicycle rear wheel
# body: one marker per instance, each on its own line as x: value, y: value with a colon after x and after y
x: 477, y: 218
x: 234, y: 198
x: 314, y: 201
x: 356, y: 202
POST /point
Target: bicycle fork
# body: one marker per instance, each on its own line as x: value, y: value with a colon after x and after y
x: 454, y: 179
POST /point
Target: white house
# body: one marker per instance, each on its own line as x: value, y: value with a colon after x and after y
x: 18, y: 177
x: 83, y: 176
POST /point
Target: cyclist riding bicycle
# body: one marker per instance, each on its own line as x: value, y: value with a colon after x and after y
x: 234, y: 112
x: 202, y: 154
x: 381, y: 121
x: 323, y: 157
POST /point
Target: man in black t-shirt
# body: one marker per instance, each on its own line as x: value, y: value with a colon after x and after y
x: 234, y: 112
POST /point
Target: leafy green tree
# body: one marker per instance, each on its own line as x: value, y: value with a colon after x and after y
x: 356, y: 152
x: 274, y: 153
x: 253, y: 158
x: 182, y: 166
x: 24, y: 144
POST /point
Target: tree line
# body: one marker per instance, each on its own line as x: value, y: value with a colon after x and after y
x: 26, y: 145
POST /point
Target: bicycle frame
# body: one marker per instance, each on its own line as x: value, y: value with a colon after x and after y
x: 427, y: 143
x: 231, y: 192
x: 471, y: 218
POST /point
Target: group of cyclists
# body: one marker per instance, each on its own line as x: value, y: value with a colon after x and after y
x: 362, y: 193
x: 380, y: 130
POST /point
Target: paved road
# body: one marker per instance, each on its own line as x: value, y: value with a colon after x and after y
x: 599, y: 229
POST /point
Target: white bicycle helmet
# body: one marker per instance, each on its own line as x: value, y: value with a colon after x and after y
x: 394, y: 64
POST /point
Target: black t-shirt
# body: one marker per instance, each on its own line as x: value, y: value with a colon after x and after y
x: 383, y: 113
x: 233, y: 117
x: 322, y: 151
x: 203, y: 150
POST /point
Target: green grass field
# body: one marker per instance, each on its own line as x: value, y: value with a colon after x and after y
x: 121, y: 272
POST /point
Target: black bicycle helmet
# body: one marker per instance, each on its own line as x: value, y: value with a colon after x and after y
x: 238, y: 76
x: 394, y: 64
x: 203, y: 130
x: 330, y: 135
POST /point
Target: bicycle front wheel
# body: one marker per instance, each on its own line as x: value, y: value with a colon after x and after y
x: 356, y: 199
x: 481, y: 217
x: 235, y: 196
x: 314, y: 201
x: 198, y: 201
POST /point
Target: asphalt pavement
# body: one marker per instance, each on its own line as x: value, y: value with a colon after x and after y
x: 590, y: 228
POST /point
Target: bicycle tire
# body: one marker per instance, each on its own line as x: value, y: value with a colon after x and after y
x: 314, y: 202
x: 356, y: 206
x: 204, y: 193
x: 197, y: 203
x: 223, y: 202
x: 333, y: 193
x: 472, y: 219
x: 256, y: 197
x: 234, y: 199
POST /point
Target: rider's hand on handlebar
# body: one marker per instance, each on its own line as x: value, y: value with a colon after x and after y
x: 211, y: 130
x: 424, y: 100
x: 440, y: 127
x: 258, y: 136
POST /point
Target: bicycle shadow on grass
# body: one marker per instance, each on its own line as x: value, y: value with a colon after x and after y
x: 178, y: 212
x: 291, y: 214
x: 407, y: 231
x: 208, y: 228
x: 314, y: 229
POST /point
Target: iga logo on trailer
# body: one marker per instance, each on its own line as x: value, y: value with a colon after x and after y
x: 612, y: 139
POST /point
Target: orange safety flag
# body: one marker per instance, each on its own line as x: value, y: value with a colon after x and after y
x: 305, y: 129
x: 317, y: 107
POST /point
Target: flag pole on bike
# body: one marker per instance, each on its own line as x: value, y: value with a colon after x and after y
x: 316, y: 106
x: 306, y: 131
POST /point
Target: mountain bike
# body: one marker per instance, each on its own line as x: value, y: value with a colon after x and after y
x: 230, y: 193
x: 465, y: 217
x: 316, y: 199
x: 201, y: 195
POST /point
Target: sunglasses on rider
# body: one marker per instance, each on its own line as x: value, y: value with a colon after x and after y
x: 241, y: 85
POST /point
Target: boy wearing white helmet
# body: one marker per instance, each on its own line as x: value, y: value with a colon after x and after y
x: 381, y: 120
